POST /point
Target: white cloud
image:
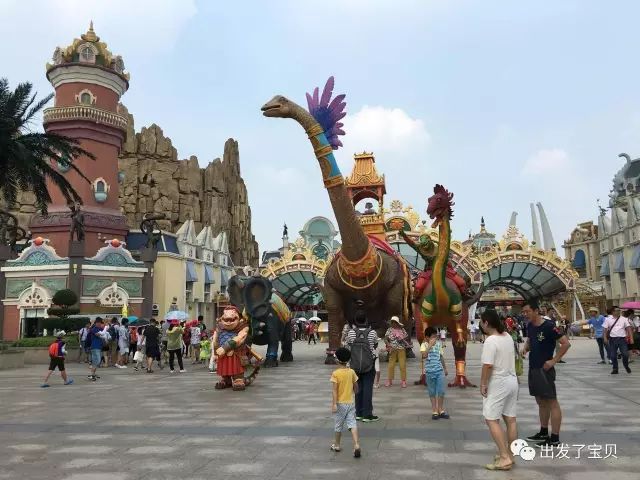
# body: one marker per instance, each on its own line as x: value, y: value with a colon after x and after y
x: 381, y: 129
x: 547, y: 161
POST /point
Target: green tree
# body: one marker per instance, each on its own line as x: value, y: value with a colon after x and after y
x: 64, y: 304
x: 27, y: 158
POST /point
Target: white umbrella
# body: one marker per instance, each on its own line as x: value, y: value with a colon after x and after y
x: 315, y: 319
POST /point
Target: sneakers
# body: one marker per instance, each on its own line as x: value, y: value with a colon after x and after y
x: 376, y: 385
x: 45, y: 385
x: 614, y: 372
x: 172, y: 371
x: 444, y: 415
x: 370, y: 418
x: 388, y: 383
x: 435, y: 416
x: 92, y: 378
x: 69, y: 382
x: 119, y: 366
x: 403, y: 384
x: 212, y: 371
x: 538, y: 437
x: 549, y: 443
x: 359, y: 418
x: 627, y: 369
x: 182, y: 370
x: 601, y: 362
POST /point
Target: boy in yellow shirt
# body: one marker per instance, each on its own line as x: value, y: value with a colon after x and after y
x: 345, y: 384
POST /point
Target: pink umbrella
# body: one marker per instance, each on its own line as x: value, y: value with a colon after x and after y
x: 634, y: 305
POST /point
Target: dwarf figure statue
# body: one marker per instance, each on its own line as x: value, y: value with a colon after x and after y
x: 229, y: 347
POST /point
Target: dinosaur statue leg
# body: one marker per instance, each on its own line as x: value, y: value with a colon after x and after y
x: 421, y: 325
x: 335, y: 310
x: 287, y: 343
x: 459, y: 340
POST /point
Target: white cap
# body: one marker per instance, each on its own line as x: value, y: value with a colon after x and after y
x: 395, y: 319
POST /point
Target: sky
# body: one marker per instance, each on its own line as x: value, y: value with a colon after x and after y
x: 505, y: 103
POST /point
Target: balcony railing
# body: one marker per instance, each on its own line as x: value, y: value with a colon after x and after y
x: 84, y: 112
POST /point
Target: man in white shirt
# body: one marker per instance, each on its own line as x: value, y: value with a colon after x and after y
x: 616, y: 330
x: 82, y: 340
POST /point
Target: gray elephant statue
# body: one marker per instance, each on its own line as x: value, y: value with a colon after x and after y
x: 268, y: 315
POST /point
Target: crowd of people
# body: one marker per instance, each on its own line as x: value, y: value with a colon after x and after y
x: 358, y: 370
x: 117, y: 344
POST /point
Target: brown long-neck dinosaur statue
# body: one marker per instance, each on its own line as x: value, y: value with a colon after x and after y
x: 360, y: 271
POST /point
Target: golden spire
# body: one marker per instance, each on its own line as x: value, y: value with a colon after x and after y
x: 90, y: 36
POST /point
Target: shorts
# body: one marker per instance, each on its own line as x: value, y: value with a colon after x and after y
x: 345, y: 416
x: 153, y: 351
x: 502, y: 398
x: 56, y: 362
x: 376, y: 364
x: 542, y: 383
x: 435, y: 384
x: 96, y: 356
x: 123, y: 350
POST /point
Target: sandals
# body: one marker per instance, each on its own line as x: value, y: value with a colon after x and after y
x: 335, y: 448
x: 495, y: 467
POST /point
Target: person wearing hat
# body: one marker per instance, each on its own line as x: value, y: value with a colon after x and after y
x: 596, y: 321
x: 57, y: 352
x: 397, y: 341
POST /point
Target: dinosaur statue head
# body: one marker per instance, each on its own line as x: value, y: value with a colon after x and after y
x: 279, y: 106
x: 440, y: 205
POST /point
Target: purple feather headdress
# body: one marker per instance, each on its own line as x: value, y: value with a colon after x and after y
x: 328, y: 113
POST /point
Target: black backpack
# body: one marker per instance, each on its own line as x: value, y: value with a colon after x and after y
x: 362, y: 360
x: 113, y: 333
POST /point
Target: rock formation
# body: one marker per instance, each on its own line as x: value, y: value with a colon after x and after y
x: 154, y: 180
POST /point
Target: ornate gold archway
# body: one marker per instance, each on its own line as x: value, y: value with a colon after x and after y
x: 298, y: 274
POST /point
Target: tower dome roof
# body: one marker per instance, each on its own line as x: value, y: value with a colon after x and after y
x: 482, y: 241
x: 88, y: 50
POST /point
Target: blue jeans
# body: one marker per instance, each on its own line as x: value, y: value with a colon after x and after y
x: 615, y: 344
x: 435, y: 384
x: 364, y: 397
x: 96, y: 356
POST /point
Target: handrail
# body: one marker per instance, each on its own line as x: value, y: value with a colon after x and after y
x: 84, y: 112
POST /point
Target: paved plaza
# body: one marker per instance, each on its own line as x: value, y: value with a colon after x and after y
x: 136, y: 426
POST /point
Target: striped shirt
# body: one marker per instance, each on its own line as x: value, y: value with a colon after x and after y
x: 432, y: 363
x: 372, y: 337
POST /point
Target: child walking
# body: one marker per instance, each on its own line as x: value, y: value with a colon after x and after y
x: 435, y: 370
x: 205, y: 350
x: 345, y: 384
x: 57, y: 352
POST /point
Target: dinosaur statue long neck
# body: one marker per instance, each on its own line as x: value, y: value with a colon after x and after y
x: 355, y: 243
x: 440, y: 265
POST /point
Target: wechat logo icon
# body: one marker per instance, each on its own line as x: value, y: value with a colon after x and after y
x: 520, y: 448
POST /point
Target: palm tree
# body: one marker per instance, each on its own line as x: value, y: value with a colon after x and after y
x: 28, y: 159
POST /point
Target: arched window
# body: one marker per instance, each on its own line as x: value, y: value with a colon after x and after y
x: 85, y: 98
x: 100, y: 186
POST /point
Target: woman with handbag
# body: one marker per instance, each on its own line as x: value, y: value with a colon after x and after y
x: 397, y: 340
x: 499, y: 387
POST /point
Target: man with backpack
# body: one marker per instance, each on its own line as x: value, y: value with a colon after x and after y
x: 361, y: 340
x: 57, y: 352
x: 97, y: 338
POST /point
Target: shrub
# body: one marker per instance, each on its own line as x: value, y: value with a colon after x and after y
x: 66, y: 324
x: 65, y: 298
x: 72, y: 341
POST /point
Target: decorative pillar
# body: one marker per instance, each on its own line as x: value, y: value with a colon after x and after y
x: 148, y: 255
x: 6, y: 253
x: 76, y: 259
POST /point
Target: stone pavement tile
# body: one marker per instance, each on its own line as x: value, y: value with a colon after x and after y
x: 192, y: 442
x: 417, y: 470
x: 356, y: 469
x: 324, y: 442
x: 243, y: 468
